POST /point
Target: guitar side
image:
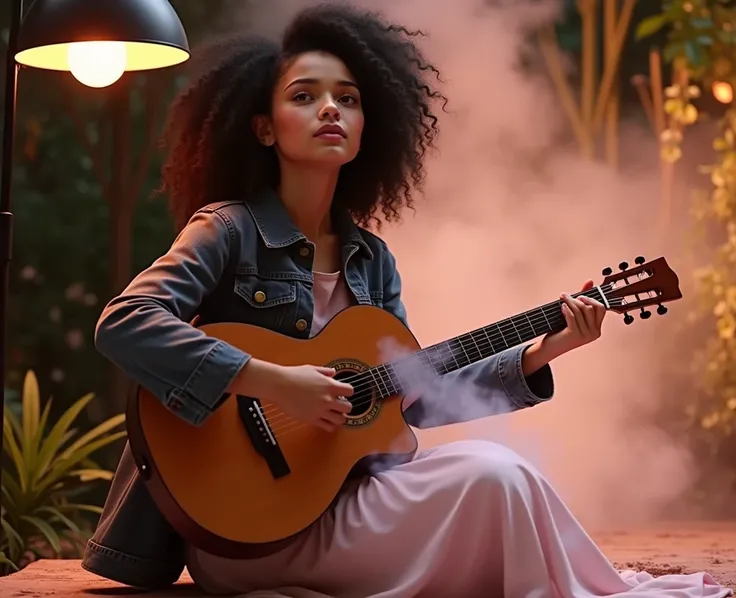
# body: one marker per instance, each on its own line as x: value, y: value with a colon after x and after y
x: 213, y: 485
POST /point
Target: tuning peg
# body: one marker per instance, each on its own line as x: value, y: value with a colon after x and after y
x: 607, y: 271
x: 628, y: 319
x: 661, y: 309
x: 623, y: 265
x: 639, y: 260
x: 645, y: 314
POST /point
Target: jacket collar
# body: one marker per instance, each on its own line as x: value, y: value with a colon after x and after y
x: 277, y: 229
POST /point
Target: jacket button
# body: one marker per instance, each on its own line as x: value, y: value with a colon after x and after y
x: 301, y: 325
x: 304, y: 252
x: 259, y: 296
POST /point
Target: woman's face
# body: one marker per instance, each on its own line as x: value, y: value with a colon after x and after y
x: 317, y: 118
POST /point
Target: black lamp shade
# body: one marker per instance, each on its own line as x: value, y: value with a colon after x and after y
x: 150, y: 29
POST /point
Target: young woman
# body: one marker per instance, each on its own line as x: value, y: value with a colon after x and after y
x: 277, y: 153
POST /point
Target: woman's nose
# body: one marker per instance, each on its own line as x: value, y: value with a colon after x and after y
x: 330, y: 110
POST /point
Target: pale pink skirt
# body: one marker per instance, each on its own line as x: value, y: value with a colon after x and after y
x: 466, y: 519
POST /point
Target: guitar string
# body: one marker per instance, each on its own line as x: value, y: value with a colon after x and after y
x: 367, y: 380
x: 281, y: 422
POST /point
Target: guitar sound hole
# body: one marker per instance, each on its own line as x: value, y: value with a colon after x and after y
x: 361, y: 400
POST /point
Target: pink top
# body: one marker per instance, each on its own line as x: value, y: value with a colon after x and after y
x: 331, y: 296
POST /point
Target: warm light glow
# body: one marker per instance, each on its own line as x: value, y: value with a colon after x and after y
x: 723, y: 92
x: 97, y: 64
x: 140, y: 56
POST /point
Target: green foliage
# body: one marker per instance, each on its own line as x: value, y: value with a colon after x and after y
x: 701, y: 34
x: 45, y: 468
x: 702, y: 39
x: 60, y: 273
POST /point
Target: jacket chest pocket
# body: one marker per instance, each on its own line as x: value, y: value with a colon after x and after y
x: 266, y: 302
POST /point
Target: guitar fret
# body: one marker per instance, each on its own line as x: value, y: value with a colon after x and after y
x: 382, y: 391
x: 475, y: 345
x: 503, y: 336
x: 545, y: 319
x: 467, y: 348
x: 387, y: 381
x: 460, y: 343
x: 531, y: 324
x: 488, y: 338
x: 521, y: 340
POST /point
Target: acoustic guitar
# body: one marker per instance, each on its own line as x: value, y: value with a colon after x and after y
x: 251, y: 478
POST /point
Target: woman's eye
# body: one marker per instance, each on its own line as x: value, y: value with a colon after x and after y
x: 349, y: 100
x: 301, y: 96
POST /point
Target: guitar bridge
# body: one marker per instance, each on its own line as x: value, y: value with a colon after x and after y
x: 261, y: 436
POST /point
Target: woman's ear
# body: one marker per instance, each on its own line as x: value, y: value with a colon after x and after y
x: 263, y: 129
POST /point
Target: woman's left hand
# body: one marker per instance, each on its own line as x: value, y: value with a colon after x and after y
x: 584, y: 318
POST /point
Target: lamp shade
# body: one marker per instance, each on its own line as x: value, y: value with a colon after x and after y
x: 148, y: 31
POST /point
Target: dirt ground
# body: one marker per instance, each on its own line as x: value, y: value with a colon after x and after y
x: 661, y: 550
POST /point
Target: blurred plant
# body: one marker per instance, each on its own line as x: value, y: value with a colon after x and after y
x: 701, y: 38
x: 715, y: 215
x: 45, y: 468
x: 682, y: 112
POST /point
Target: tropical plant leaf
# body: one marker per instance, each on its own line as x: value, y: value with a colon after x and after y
x: 650, y: 25
x: 46, y: 459
x: 10, y: 495
x: 15, y: 542
x: 56, y: 514
x: 55, y: 439
x: 6, y: 561
x: 75, y: 507
x: 31, y: 414
x: 62, y: 466
x: 90, y: 475
x: 99, y: 430
x: 11, y: 446
x: 38, y: 438
x: 41, y: 474
x: 10, y: 416
x: 46, y: 530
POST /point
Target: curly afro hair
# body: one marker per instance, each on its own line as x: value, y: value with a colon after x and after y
x: 213, y: 153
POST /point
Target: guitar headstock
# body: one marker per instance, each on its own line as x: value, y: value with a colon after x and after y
x: 644, y: 285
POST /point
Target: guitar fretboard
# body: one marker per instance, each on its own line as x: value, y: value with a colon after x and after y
x: 447, y: 356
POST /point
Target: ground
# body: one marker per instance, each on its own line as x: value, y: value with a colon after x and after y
x: 671, y: 548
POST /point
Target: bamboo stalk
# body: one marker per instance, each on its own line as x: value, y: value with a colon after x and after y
x: 588, y: 10
x: 666, y: 169
x: 610, y: 9
x: 551, y: 53
x: 611, y: 70
x: 655, y: 79
x: 640, y: 84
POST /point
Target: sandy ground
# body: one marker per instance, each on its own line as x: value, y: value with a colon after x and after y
x: 673, y: 548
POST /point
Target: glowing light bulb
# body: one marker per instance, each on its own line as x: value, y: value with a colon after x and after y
x: 723, y: 92
x: 97, y: 64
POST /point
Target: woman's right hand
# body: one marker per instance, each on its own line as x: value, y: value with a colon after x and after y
x: 308, y: 393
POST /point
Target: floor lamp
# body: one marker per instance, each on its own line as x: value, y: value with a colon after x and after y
x: 97, y: 41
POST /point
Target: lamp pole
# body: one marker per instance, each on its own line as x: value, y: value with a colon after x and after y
x: 148, y: 32
x: 6, y: 216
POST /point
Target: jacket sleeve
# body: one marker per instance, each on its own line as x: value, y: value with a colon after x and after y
x: 145, y: 330
x: 488, y: 387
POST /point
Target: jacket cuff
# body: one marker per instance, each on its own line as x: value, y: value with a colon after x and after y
x: 207, y: 385
x: 524, y: 391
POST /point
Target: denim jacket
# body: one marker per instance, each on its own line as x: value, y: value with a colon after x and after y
x: 242, y: 262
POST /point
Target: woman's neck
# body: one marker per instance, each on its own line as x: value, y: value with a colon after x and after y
x: 307, y: 195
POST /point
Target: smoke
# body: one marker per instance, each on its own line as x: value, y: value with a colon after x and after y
x: 513, y: 216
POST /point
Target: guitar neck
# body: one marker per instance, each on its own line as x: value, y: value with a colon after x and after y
x: 476, y: 345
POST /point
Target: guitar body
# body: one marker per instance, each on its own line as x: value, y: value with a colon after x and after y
x: 223, y: 495
x: 251, y: 479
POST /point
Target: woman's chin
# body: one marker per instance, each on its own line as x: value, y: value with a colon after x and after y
x: 331, y: 157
